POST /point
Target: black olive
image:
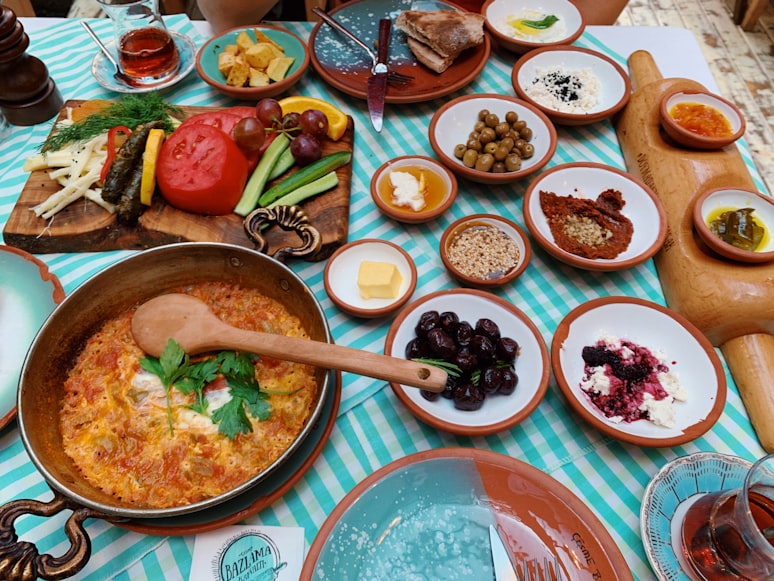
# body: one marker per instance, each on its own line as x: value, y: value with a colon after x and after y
x: 451, y: 385
x: 465, y: 360
x: 483, y: 348
x: 448, y: 320
x: 430, y: 395
x: 468, y: 397
x: 427, y: 321
x: 507, y: 349
x: 441, y: 344
x: 490, y: 380
x: 509, y: 381
x: 489, y: 328
x: 417, y: 348
x: 463, y: 333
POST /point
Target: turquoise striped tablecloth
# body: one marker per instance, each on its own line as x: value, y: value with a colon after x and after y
x: 373, y: 428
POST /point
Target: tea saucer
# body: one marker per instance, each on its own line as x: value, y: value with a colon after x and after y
x: 676, y: 486
x: 103, y: 69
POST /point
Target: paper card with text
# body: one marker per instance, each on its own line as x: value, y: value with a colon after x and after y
x: 248, y: 553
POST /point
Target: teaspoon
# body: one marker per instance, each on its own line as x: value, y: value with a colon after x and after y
x: 191, y: 323
x: 119, y: 74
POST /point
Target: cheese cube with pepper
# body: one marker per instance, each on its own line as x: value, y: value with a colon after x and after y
x: 380, y: 280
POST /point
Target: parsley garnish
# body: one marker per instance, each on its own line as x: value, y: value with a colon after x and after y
x: 175, y: 369
x: 131, y: 111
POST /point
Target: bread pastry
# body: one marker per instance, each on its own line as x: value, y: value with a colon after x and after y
x: 437, y: 37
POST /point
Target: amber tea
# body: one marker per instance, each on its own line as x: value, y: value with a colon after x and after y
x: 148, y: 53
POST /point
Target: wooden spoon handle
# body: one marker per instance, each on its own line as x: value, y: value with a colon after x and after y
x: 328, y: 355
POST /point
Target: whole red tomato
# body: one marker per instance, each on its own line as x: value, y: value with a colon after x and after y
x: 226, y: 120
x: 200, y: 169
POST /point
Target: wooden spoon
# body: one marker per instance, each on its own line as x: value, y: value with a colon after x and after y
x: 191, y: 323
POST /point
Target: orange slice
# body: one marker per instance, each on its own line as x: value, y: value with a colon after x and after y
x: 337, y: 119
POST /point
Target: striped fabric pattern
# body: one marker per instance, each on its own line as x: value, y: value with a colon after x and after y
x: 373, y: 428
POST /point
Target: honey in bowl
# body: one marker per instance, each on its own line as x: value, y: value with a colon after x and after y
x: 701, y: 119
x: 435, y: 188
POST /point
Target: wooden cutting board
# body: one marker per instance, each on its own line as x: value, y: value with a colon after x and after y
x: 85, y: 227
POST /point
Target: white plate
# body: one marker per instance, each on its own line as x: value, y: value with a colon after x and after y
x: 103, y: 70
x: 28, y: 293
x: 688, y: 352
x: 676, y: 486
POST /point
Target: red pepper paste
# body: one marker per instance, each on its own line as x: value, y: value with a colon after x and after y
x: 593, y: 229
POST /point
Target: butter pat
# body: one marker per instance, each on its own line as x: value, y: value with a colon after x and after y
x: 378, y: 280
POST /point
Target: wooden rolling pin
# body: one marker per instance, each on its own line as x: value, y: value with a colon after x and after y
x: 732, y: 303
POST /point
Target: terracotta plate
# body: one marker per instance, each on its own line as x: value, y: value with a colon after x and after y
x: 268, y: 491
x: 28, y: 293
x: 686, y: 350
x: 388, y: 525
x: 341, y: 63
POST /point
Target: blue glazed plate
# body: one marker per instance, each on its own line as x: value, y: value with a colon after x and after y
x: 342, y: 64
x: 28, y: 293
x: 676, y: 486
x: 103, y: 69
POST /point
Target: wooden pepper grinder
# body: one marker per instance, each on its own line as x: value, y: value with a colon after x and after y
x: 27, y: 94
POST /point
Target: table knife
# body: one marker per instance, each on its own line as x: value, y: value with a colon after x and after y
x: 377, y: 82
x: 501, y: 560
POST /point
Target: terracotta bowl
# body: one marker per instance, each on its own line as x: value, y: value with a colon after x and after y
x: 499, y: 411
x: 207, y: 62
x: 341, y: 272
x: 588, y: 180
x: 613, y: 84
x: 711, y: 204
x: 470, y: 231
x: 454, y: 121
x: 687, y: 353
x: 441, y: 189
x: 723, y: 108
x: 500, y: 15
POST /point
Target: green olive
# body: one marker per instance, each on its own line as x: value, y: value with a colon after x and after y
x: 502, y: 129
x: 474, y: 135
x: 482, y: 114
x: 484, y: 162
x: 491, y: 120
x: 511, y: 117
x: 474, y: 144
x: 478, y: 126
x: 487, y: 135
x: 470, y: 157
x: 498, y: 167
x: 491, y: 147
x: 459, y: 150
x: 519, y: 145
x: 507, y: 142
x: 526, y: 133
x: 519, y: 125
x: 501, y: 152
x: 512, y: 163
x: 527, y: 151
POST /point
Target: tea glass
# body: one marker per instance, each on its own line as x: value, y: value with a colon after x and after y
x: 730, y: 534
x: 146, y: 50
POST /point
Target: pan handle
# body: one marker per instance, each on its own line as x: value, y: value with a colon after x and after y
x: 20, y: 560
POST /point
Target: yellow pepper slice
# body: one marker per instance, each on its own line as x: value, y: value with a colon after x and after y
x: 149, y: 157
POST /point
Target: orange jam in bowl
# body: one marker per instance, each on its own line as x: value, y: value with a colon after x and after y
x: 701, y: 119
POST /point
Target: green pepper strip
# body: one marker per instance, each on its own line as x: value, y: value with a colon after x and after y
x: 547, y: 22
x: 111, y: 148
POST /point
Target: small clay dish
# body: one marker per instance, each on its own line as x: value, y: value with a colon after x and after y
x: 692, y: 364
x: 292, y: 45
x: 587, y: 181
x: 452, y: 124
x: 440, y: 185
x: 463, y: 242
x: 710, y: 206
x: 505, y: 22
x: 499, y: 411
x: 605, y: 86
x: 722, y: 124
x: 341, y: 277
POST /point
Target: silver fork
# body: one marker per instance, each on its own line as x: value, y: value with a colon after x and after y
x: 532, y: 570
x: 393, y: 77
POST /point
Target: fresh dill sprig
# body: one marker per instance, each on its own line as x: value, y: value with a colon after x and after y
x: 131, y: 111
